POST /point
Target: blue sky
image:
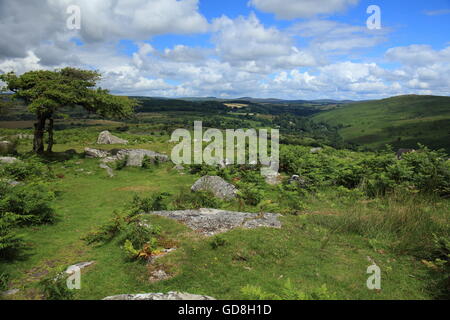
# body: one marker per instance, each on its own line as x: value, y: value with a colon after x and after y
x: 292, y: 49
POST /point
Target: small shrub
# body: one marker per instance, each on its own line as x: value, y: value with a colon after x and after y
x: 10, y: 242
x: 24, y: 170
x: 107, y: 231
x: 54, y: 286
x: 251, y: 195
x: 32, y: 202
x: 195, y: 200
x: 121, y: 163
x: 156, y: 202
x: 138, y: 234
x: 4, y: 281
x: 218, y: 241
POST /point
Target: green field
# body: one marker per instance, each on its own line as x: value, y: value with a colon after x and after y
x: 400, y: 121
x: 307, y: 257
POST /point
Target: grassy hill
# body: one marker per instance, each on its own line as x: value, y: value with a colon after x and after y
x: 401, y: 121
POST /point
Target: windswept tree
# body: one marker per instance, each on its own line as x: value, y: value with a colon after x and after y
x: 46, y: 92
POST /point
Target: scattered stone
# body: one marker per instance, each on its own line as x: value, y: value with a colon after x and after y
x: 108, y: 169
x: 296, y: 179
x: 106, y: 137
x: 219, y: 187
x: 10, y: 292
x: 158, y: 275
x: 401, y: 152
x: 23, y: 136
x: 96, y: 153
x: 178, y: 167
x: 160, y: 296
x: 213, y: 221
x: 80, y: 266
x: 316, y: 150
x: 13, y: 183
x: 135, y: 157
x: 8, y: 160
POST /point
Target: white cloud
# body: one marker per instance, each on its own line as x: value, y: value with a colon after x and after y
x: 291, y: 9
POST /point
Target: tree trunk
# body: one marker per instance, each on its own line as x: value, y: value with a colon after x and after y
x: 39, y: 130
x: 50, y: 135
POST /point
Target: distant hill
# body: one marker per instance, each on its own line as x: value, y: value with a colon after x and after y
x: 401, y: 121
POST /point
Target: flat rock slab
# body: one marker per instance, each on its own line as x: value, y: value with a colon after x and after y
x: 212, y: 221
x: 160, y: 296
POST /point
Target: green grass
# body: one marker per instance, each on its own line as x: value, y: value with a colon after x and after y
x: 310, y: 250
x: 302, y: 251
x: 401, y: 121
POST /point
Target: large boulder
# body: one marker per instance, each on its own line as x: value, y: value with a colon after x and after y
x: 160, y: 296
x: 106, y: 137
x: 217, y: 186
x: 7, y: 147
x: 135, y: 157
x: 96, y: 153
x: 213, y: 221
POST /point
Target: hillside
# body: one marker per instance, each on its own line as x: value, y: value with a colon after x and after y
x: 401, y: 121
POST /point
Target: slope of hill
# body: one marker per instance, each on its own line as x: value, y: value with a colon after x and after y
x: 401, y: 121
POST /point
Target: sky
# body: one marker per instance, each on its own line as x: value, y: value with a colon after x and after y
x: 285, y: 49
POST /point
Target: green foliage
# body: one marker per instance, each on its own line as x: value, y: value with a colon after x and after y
x: 25, y: 170
x: 32, y: 202
x: 156, y: 202
x: 4, y: 280
x: 107, y: 231
x: 121, y: 163
x: 195, y: 200
x: 440, y: 265
x: 10, y: 243
x: 54, y: 286
x: 423, y: 171
x: 218, y: 241
x: 139, y: 234
x: 287, y: 292
x: 251, y: 194
x: 405, y: 224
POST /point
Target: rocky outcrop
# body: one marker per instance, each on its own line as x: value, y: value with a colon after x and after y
x: 160, y: 296
x: 217, y: 186
x: 8, y: 160
x: 106, y: 137
x: 213, y: 221
x: 134, y: 157
x: 95, y: 153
